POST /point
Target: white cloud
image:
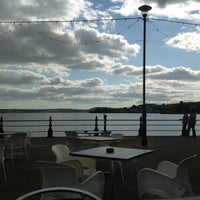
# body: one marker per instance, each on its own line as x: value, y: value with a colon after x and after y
x: 160, y: 88
x: 187, y: 10
x: 20, y: 77
x: 38, y: 61
x: 42, y: 9
x: 176, y: 73
x: 189, y: 41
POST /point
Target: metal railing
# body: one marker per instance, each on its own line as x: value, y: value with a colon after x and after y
x: 51, y: 127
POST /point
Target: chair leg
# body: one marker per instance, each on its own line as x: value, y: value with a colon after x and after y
x: 12, y: 156
x: 121, y: 170
x: 26, y: 152
x: 135, y: 164
x: 4, y: 171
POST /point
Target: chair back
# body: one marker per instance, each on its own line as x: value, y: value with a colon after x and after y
x: 18, y: 139
x: 2, y: 158
x: 63, y: 175
x: 75, y: 144
x: 117, y: 135
x: 71, y: 134
x: 182, y: 170
x: 56, y: 175
x: 106, y: 133
x: 2, y: 152
x: 182, y: 174
x: 28, y: 134
x: 28, y: 138
x: 61, y: 151
x: 127, y: 143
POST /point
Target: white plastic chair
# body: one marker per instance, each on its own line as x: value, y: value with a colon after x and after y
x: 117, y: 135
x: 169, y: 180
x: 28, y: 139
x: 71, y: 133
x: 105, y: 133
x: 60, y: 175
x: 16, y: 142
x: 62, y: 151
x: 2, y: 158
x: 75, y: 144
x: 81, y: 194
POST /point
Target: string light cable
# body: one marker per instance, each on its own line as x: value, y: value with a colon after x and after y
x: 29, y: 23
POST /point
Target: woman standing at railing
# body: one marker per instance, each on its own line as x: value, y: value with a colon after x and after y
x: 184, y: 123
x: 191, y: 124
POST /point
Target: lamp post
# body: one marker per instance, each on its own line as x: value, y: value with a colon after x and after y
x: 144, y: 10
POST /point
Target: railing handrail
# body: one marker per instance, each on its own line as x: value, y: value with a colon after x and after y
x: 105, y: 123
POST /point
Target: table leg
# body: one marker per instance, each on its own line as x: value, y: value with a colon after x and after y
x: 114, y: 184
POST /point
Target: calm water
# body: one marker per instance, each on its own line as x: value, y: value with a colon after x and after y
x: 117, y: 122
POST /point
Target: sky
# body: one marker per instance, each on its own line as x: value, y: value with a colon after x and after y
x: 89, y: 53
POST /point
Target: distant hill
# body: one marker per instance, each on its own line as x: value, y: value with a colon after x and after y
x: 152, y: 108
x: 175, y: 108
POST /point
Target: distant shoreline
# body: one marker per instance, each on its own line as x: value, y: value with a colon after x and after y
x: 177, y: 108
x: 41, y: 110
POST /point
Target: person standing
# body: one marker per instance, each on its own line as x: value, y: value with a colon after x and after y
x: 184, y: 124
x: 191, y: 124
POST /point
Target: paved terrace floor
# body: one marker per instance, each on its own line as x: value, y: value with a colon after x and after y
x: 24, y: 176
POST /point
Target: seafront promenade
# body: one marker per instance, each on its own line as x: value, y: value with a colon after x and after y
x: 24, y: 176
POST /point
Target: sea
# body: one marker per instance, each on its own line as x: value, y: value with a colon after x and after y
x: 126, y: 123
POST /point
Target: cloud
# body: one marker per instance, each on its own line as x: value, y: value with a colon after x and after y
x: 189, y: 41
x: 71, y: 64
x: 126, y: 70
x: 157, y: 72
x: 104, y: 44
x: 176, y: 73
x: 83, y: 48
x: 20, y: 77
x: 169, y: 9
x: 43, y: 9
x: 165, y: 3
x: 162, y: 86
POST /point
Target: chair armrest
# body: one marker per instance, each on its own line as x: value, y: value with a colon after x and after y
x: 77, y: 166
x: 94, y: 184
x: 151, y: 181
x: 168, y: 168
x: 51, y: 190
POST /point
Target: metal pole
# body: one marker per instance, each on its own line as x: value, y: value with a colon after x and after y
x: 144, y: 9
x: 96, y: 126
x: 144, y: 129
x: 104, y: 121
x: 1, y: 126
x: 50, y: 130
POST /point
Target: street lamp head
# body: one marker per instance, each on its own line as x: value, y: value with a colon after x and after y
x: 144, y: 10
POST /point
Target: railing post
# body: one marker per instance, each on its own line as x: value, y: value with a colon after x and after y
x: 50, y: 131
x: 140, y: 131
x: 96, y: 124
x: 1, y: 126
x: 104, y: 121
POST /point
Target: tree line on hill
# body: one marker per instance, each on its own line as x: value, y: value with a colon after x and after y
x: 175, y: 108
